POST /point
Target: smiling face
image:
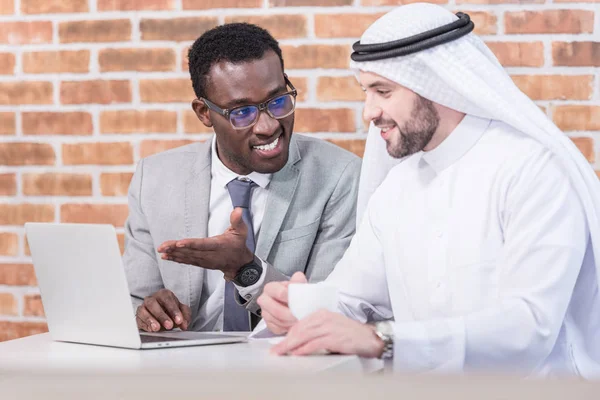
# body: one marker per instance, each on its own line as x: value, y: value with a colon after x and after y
x: 264, y: 147
x: 408, y: 121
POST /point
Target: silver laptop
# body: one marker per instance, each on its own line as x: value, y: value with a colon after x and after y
x: 85, y: 294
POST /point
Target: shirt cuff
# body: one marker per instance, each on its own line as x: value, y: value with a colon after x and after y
x: 436, y: 346
x: 248, y: 292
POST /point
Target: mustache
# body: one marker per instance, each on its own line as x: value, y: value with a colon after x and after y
x: 383, y: 122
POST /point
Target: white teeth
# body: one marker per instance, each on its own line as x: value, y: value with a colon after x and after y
x: 384, y: 130
x: 268, y: 147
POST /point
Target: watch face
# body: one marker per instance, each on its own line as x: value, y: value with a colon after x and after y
x: 249, y: 276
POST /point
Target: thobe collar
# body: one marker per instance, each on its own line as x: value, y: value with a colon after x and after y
x: 223, y: 175
x: 457, y: 144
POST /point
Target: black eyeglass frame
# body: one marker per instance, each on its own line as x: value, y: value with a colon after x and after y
x: 226, y: 112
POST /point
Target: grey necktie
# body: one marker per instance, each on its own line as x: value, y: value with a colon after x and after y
x: 235, y: 317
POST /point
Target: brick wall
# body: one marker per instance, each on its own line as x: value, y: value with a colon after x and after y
x: 88, y: 87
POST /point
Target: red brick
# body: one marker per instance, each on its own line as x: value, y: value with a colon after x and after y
x: 117, y: 30
x: 135, y: 5
x: 150, y: 147
x: 34, y: 32
x: 57, y: 184
x: 144, y: 60
x: 8, y: 304
x: 18, y: 214
x: 8, y: 123
x: 344, y: 88
x: 26, y: 154
x: 134, y: 121
x: 486, y: 23
x: 7, y: 7
x: 555, y: 87
x: 343, y: 25
x: 204, y: 5
x: 117, y: 153
x: 313, y: 3
x: 17, y: 275
x: 8, y: 184
x: 44, y: 62
x: 518, y: 54
x: 549, y: 21
x: 25, y: 92
x: 115, y: 184
x: 32, y: 306
x: 53, y: 6
x: 576, y: 54
x: 98, y: 92
x: 114, y: 214
x: 9, y: 244
x: 586, y: 146
x: 166, y: 90
x: 356, y: 146
x: 324, y: 120
x: 577, y: 118
x: 57, y: 123
x: 191, y: 124
x: 280, y: 26
x: 15, y: 330
x: 316, y: 56
x: 398, y: 2
x: 176, y: 29
x: 7, y: 63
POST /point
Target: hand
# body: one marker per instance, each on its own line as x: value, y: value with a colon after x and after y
x: 226, y: 252
x: 162, y: 310
x: 333, y: 332
x: 273, y: 303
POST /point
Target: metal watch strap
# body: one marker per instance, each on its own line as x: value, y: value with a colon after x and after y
x: 385, y: 331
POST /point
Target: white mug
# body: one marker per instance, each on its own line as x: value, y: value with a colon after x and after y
x: 306, y: 298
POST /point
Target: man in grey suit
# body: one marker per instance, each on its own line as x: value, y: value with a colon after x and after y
x: 253, y: 204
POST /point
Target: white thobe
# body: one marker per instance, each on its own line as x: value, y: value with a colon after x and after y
x: 483, y: 248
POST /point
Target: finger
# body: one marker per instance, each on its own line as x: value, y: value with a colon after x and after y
x: 323, y: 343
x: 237, y: 222
x: 298, y: 277
x: 278, y: 291
x: 272, y: 324
x: 303, y: 332
x: 165, y: 246
x: 280, y: 312
x: 170, y: 303
x: 156, y: 310
x: 204, y: 244
x: 187, y: 316
x: 144, y: 315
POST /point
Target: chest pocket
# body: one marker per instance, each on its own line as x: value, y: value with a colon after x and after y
x: 297, y: 233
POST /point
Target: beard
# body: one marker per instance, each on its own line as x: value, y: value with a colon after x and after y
x: 417, y: 132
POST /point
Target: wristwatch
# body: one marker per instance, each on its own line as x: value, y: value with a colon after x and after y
x: 250, y: 273
x: 385, y: 331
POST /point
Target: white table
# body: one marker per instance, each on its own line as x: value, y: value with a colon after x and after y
x: 39, y: 352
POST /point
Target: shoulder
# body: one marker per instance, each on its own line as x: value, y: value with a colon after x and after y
x: 325, y: 157
x: 177, y: 159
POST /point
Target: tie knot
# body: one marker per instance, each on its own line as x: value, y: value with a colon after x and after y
x: 240, y: 192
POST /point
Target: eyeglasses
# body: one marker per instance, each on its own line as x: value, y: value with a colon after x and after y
x: 244, y: 117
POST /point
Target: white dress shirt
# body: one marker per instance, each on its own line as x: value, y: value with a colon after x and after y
x: 210, y: 315
x: 484, y: 249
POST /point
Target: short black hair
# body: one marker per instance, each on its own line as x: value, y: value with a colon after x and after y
x: 235, y: 43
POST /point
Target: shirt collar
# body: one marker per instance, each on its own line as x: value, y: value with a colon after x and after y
x: 223, y: 175
x: 457, y: 144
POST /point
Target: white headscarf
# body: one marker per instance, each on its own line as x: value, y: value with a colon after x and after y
x: 464, y: 75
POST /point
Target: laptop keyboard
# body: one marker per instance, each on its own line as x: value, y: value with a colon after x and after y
x: 155, y: 339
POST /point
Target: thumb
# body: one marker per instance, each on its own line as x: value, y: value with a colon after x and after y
x: 298, y: 277
x: 236, y: 221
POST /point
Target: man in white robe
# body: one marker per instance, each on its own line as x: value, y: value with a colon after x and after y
x: 478, y: 247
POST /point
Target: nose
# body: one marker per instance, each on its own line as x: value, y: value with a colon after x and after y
x: 371, y: 110
x: 266, y: 125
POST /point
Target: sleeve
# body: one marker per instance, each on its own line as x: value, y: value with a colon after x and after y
x: 545, y: 240
x: 139, y: 259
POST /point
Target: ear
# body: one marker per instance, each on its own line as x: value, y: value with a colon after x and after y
x: 202, y: 112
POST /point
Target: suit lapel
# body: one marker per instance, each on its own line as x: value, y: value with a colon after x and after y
x: 197, y: 197
x: 281, y: 191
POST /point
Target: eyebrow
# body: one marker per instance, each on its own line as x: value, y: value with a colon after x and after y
x: 246, y: 101
x: 377, y: 84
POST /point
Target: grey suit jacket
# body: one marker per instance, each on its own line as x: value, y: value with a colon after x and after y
x: 308, y: 223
